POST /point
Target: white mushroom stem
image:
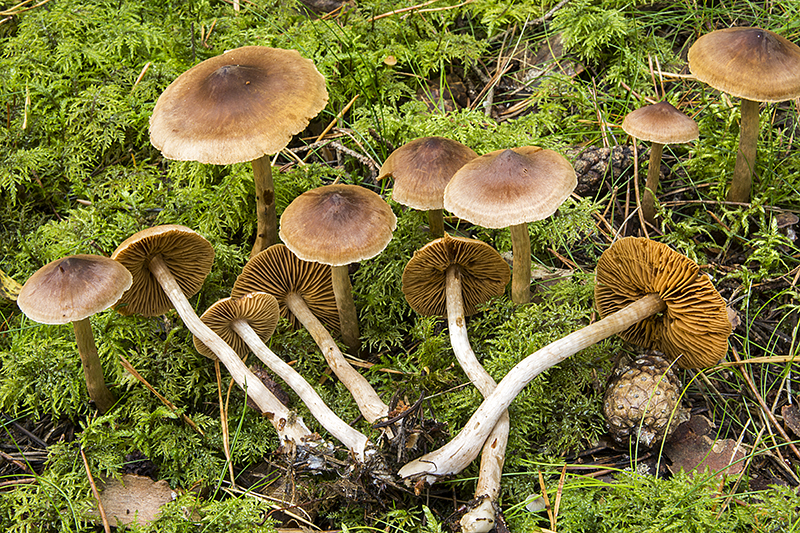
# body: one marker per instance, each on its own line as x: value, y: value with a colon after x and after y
x: 521, y: 273
x: 481, y: 519
x: 348, y: 318
x: 290, y: 427
x: 651, y: 185
x: 459, y: 452
x: 92, y: 369
x: 742, y: 180
x: 368, y: 401
x: 267, y: 219
x: 355, y: 441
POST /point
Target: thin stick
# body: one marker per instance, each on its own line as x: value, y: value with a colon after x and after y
x: 223, y: 420
x: 547, y: 502
x: 636, y: 188
x: 132, y: 371
x: 95, y: 493
x: 403, y: 10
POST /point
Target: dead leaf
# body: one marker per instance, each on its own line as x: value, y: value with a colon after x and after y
x: 133, y: 499
x: 695, y: 447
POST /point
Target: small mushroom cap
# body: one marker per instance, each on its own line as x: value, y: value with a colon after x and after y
x: 484, y: 274
x: 422, y: 168
x: 277, y: 271
x: 694, y: 328
x: 73, y: 288
x: 237, y: 106
x: 510, y: 187
x: 750, y: 63
x: 187, y: 254
x: 660, y: 123
x: 258, y: 309
x: 337, y: 224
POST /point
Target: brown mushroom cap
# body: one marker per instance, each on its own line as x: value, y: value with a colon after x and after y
x: 422, y: 168
x: 337, y: 224
x: 258, y: 309
x: 660, y: 123
x: 694, y: 327
x: 484, y: 274
x: 510, y: 187
x: 187, y: 254
x: 277, y: 271
x: 750, y: 63
x: 73, y: 288
x: 237, y: 106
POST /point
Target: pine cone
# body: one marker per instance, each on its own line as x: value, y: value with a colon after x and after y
x: 640, y: 401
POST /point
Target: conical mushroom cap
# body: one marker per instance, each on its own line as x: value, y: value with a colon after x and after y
x: 73, y: 288
x: 484, y: 274
x: 422, y: 169
x: 258, y: 309
x: 277, y: 271
x: 237, y: 106
x: 750, y: 63
x: 337, y: 225
x: 694, y: 328
x: 660, y: 123
x: 510, y: 187
x: 187, y: 254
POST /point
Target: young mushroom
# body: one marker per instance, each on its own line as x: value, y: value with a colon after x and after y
x: 660, y: 124
x: 421, y: 170
x: 509, y: 188
x: 244, y: 324
x: 756, y: 65
x: 664, y: 302
x: 304, y: 293
x: 240, y: 106
x: 71, y: 289
x: 452, y: 276
x: 337, y: 225
x: 169, y: 263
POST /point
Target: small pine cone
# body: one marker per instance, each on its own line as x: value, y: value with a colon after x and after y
x: 640, y: 401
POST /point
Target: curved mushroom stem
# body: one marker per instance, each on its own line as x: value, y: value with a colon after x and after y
x: 369, y: 403
x: 92, y: 369
x: 355, y: 441
x: 348, y: 318
x: 480, y: 519
x: 436, y: 223
x: 651, y: 185
x: 521, y: 275
x: 267, y: 225
x: 290, y: 427
x: 742, y: 180
x: 459, y: 452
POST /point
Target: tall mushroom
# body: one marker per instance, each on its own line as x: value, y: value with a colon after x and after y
x: 169, y: 263
x: 757, y: 66
x: 421, y: 170
x: 244, y: 324
x: 304, y: 293
x: 659, y: 124
x: 236, y: 107
x: 663, y: 299
x: 71, y: 289
x: 509, y: 188
x: 454, y: 275
x: 337, y: 225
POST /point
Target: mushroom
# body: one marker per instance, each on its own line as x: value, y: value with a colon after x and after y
x: 71, y: 289
x: 169, y: 263
x: 337, y: 225
x: 756, y: 65
x: 660, y: 124
x: 245, y: 323
x: 662, y: 299
x: 236, y: 107
x: 304, y: 293
x: 456, y: 274
x: 421, y: 170
x: 509, y: 188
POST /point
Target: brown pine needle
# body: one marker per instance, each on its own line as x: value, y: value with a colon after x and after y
x: 223, y: 420
x: 95, y: 493
x: 129, y: 367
